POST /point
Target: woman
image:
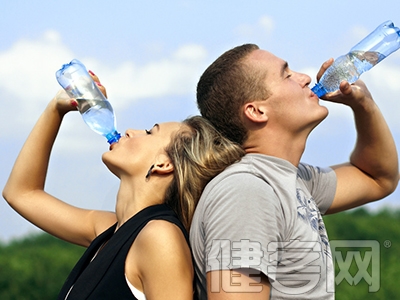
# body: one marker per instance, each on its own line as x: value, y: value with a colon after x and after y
x: 141, y: 250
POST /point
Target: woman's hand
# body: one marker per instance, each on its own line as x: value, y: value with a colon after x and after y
x: 98, y: 83
x: 65, y: 104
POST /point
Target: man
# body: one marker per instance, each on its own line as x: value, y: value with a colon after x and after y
x: 257, y: 232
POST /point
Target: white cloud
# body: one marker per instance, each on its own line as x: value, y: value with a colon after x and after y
x: 358, y: 33
x: 174, y: 75
x: 267, y: 23
x: 265, y: 26
x: 28, y: 67
x: 27, y: 77
x: 28, y: 73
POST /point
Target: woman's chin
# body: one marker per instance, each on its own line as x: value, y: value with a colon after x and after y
x: 109, y: 165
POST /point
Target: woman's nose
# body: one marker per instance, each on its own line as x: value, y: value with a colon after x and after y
x: 131, y: 132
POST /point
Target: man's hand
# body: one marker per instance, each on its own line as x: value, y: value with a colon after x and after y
x: 352, y: 95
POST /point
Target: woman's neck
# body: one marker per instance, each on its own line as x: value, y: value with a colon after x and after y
x: 132, y: 198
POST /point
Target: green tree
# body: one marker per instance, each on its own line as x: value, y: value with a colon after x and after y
x: 383, y: 227
x: 35, y: 267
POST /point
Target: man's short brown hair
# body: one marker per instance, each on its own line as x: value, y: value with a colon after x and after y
x: 225, y: 86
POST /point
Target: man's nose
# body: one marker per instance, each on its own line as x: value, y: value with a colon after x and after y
x: 303, y: 79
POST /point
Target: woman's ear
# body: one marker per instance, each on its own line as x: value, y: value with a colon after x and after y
x: 163, y: 165
x: 256, y: 111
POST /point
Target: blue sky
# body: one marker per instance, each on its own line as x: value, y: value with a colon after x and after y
x: 149, y: 55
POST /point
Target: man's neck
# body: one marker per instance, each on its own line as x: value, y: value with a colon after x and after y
x: 289, y: 148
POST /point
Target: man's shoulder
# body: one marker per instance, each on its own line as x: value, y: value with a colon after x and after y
x: 239, y: 180
x: 307, y: 172
x: 241, y: 171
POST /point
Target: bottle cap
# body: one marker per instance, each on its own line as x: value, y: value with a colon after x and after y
x: 319, y: 90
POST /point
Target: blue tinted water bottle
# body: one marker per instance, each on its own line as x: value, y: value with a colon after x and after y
x: 380, y: 43
x: 95, y: 109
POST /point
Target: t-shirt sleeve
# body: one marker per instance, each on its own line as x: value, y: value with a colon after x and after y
x: 321, y: 182
x: 242, y: 218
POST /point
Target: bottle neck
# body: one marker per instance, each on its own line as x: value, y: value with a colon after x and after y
x: 319, y: 90
x: 113, y: 137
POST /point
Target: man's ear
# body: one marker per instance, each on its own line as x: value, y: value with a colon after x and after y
x: 163, y: 165
x: 256, y: 111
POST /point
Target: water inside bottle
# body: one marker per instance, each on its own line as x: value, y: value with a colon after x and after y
x: 365, y: 60
x: 349, y: 67
x: 98, y: 115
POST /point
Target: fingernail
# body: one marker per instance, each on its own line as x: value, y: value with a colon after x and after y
x: 98, y: 83
x: 74, y: 103
x: 91, y: 72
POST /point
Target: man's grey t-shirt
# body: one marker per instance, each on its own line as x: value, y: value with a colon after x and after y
x: 264, y: 214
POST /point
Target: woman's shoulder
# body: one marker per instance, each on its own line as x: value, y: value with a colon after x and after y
x: 160, y: 257
x: 161, y: 233
x: 161, y: 245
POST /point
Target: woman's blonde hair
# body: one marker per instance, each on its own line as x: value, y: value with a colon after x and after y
x: 199, y: 153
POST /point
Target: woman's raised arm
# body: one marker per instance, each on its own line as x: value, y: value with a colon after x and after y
x: 24, y: 190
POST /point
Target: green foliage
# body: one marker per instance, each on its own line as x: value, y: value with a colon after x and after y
x: 35, y: 267
x: 383, y: 227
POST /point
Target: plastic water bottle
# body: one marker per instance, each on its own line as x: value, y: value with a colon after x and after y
x: 380, y: 43
x: 95, y: 109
